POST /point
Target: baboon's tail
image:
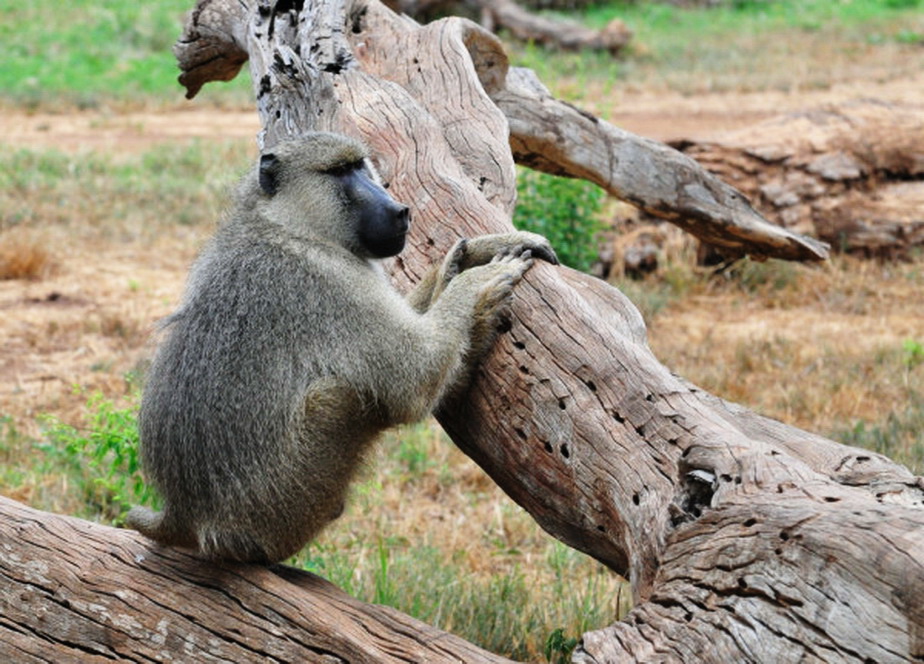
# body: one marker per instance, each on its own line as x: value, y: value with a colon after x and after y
x: 155, y: 526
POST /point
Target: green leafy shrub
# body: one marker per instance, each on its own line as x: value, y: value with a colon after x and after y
x: 563, y: 210
x: 102, y: 457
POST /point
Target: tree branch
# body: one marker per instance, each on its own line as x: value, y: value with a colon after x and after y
x: 75, y: 591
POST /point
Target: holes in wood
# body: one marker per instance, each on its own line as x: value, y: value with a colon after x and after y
x: 749, y: 523
x: 519, y: 345
x: 561, y: 404
x: 519, y: 432
x: 591, y: 385
x: 601, y: 529
x: 619, y: 418
x: 357, y: 26
x: 565, y: 452
x: 524, y: 369
x: 635, y: 499
x: 283, y: 6
x: 832, y: 499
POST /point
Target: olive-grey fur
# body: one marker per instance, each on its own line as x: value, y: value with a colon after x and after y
x: 291, y: 352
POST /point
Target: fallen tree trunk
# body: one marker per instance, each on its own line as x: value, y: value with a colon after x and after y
x: 745, y: 539
x: 525, y: 25
x: 851, y: 175
x: 75, y: 591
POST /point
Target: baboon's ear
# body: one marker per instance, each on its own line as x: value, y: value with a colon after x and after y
x: 268, y: 171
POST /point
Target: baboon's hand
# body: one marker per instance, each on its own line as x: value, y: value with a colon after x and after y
x: 504, y: 272
x: 533, y: 243
x: 484, y: 248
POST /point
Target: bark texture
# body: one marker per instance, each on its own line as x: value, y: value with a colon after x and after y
x: 745, y: 539
x: 851, y: 175
x: 74, y: 591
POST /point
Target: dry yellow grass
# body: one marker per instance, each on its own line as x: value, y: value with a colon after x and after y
x: 24, y: 255
x: 822, y: 348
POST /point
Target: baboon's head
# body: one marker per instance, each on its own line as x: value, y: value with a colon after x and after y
x: 321, y: 185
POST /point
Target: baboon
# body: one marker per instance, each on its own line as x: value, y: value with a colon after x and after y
x: 291, y: 352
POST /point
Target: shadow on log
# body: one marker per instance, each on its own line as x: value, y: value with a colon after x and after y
x: 745, y: 539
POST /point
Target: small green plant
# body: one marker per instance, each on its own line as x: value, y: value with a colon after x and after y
x: 563, y: 210
x: 558, y: 647
x: 103, y: 456
x: 914, y: 353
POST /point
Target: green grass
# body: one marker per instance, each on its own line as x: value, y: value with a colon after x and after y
x: 132, y: 194
x: 900, y: 436
x: 740, y: 46
x: 90, y: 53
x: 96, y: 53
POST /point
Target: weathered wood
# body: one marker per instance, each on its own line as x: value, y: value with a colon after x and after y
x: 746, y: 539
x: 851, y: 175
x: 75, y: 591
x: 553, y: 136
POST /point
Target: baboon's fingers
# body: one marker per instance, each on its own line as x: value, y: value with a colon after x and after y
x: 545, y: 252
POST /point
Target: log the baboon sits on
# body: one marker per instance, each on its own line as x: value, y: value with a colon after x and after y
x: 291, y: 352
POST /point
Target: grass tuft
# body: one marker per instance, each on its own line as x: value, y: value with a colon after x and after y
x: 24, y: 256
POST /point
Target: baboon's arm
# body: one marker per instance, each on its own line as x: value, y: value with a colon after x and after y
x: 442, y: 343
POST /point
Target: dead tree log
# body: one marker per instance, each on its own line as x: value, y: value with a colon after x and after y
x: 525, y: 25
x: 75, y: 591
x: 851, y: 175
x: 745, y: 539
